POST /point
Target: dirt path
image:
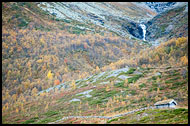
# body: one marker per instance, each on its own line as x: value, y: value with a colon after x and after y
x: 103, y: 117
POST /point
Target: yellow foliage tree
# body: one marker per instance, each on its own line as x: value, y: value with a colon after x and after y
x: 26, y: 85
x: 157, y: 58
x: 42, y: 40
x: 50, y: 75
x: 184, y: 60
x: 123, y: 102
x: 73, y: 85
x: 22, y: 107
x: 97, y: 69
x: 181, y: 40
x: 39, y: 61
x: 46, y: 107
x: 158, y: 90
x: 14, y: 97
x: 165, y: 98
x: 117, y: 101
x: 17, y: 110
x: 4, y: 108
x: 148, y: 105
x: 34, y: 91
x: 171, y: 60
x: 66, y: 70
x: 43, y: 94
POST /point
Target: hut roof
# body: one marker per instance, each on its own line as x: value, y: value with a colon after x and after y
x: 168, y: 101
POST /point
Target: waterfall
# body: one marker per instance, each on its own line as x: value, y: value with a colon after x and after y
x: 144, y: 30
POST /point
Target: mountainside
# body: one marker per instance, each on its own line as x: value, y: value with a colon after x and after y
x: 106, y: 15
x: 111, y: 93
x: 166, y: 25
x: 160, y: 7
x: 92, y: 62
x: 40, y: 45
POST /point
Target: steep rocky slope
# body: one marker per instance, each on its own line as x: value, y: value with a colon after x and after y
x: 160, y: 7
x: 106, y: 15
x: 169, y: 24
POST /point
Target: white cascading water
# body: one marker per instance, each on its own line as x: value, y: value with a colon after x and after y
x: 144, y: 31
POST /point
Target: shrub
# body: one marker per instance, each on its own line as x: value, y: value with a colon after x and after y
x: 117, y: 109
x: 154, y: 77
x: 162, y: 88
x: 131, y: 70
x: 179, y: 83
x: 142, y: 85
x: 30, y: 120
x: 121, y: 84
x: 112, y: 120
x: 56, y: 82
x: 51, y: 113
x: 23, y: 23
x: 134, y: 78
x: 133, y: 92
x: 168, y: 81
x: 167, y: 49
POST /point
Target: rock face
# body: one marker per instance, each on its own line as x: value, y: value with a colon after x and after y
x: 160, y: 6
x: 134, y: 29
x: 171, y: 23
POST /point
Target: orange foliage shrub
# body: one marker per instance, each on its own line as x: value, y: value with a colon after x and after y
x: 56, y: 82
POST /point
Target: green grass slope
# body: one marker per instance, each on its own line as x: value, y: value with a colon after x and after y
x: 158, y: 116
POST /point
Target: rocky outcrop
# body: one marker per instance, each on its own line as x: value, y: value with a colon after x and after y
x: 134, y: 29
x: 160, y: 6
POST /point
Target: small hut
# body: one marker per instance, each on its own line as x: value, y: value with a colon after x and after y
x: 170, y: 103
